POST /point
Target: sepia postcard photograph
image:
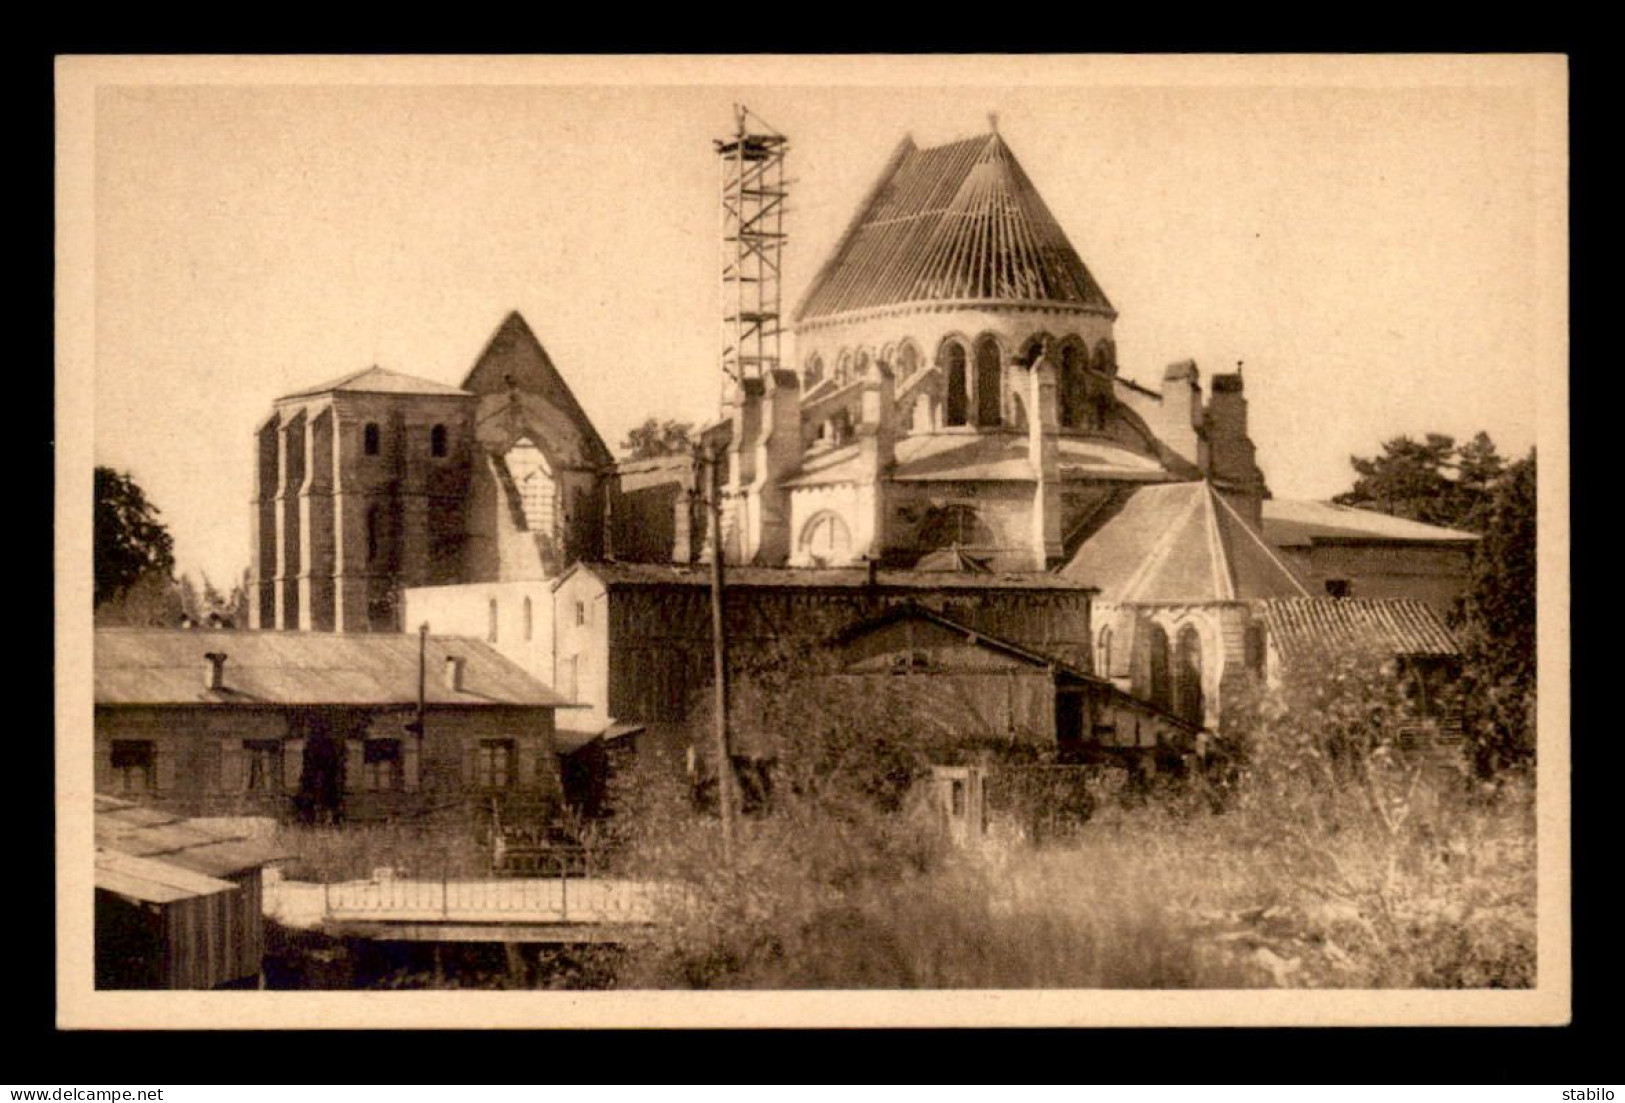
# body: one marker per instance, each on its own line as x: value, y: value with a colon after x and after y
x: 914, y: 540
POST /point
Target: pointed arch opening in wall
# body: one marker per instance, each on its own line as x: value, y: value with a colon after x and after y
x: 1188, y: 675
x: 908, y: 360
x: 533, y: 479
x: 1159, y: 687
x: 437, y: 441
x: 370, y: 438
x: 1103, y: 652
x: 826, y: 541
x: 951, y: 359
x: 843, y: 369
x: 813, y: 372
x: 861, y: 365
x: 1074, y: 359
x: 1032, y: 349
x: 989, y: 372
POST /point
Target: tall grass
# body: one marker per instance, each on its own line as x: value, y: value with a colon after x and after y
x: 1325, y: 857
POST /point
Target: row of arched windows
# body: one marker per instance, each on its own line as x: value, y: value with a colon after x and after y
x: 973, y: 377
x: 1171, y: 673
x: 372, y: 439
x: 492, y: 624
x: 903, y: 359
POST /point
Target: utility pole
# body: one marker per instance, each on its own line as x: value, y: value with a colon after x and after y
x: 415, y: 726
x: 719, y: 658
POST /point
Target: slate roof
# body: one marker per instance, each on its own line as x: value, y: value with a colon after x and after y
x: 956, y: 223
x: 662, y: 574
x: 980, y: 457
x: 155, y: 856
x: 1309, y: 625
x: 160, y: 666
x: 376, y: 380
x: 1298, y: 523
x: 1180, y: 542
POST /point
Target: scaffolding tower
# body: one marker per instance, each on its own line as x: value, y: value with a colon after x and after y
x: 753, y: 198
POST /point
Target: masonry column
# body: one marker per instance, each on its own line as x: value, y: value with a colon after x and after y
x: 316, y: 526
x: 877, y: 443
x: 263, y: 525
x: 778, y: 455
x: 412, y: 445
x: 1043, y: 451
x: 350, y: 504
x: 291, y: 464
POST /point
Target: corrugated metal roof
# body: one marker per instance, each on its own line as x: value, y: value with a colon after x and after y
x: 376, y: 380
x: 957, y: 223
x: 660, y: 574
x: 1289, y: 523
x: 1310, y: 625
x: 1180, y: 542
x: 153, y: 666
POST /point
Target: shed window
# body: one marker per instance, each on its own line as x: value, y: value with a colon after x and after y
x: 263, y: 764
x: 369, y: 438
x: 1339, y: 587
x: 493, y: 764
x: 437, y: 440
x: 133, y: 762
x: 381, y: 765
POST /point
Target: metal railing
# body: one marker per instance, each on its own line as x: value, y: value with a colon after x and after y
x: 559, y: 899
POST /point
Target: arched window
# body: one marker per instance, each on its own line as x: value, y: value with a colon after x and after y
x: 1032, y: 350
x: 908, y: 360
x: 952, y: 360
x: 1103, y: 653
x: 437, y: 440
x: 843, y: 369
x: 814, y: 372
x: 491, y: 620
x: 529, y: 623
x: 826, y: 541
x: 1188, y: 675
x: 533, y: 479
x: 862, y: 364
x: 1159, y: 691
x: 989, y: 395
x: 369, y: 438
x: 1105, y: 358
x: 1074, y: 358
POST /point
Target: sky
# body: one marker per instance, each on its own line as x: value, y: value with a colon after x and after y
x: 1366, y: 249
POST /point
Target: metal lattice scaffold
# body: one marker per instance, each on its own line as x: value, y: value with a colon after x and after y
x: 753, y: 206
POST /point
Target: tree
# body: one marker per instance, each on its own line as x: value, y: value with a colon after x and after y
x: 1497, y: 625
x: 655, y: 438
x: 1434, y: 481
x: 131, y: 544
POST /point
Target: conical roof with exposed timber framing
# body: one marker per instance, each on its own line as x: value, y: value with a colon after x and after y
x: 956, y: 223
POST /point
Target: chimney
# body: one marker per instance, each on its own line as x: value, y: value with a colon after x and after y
x: 454, y: 671
x: 215, y: 676
x: 1182, y: 410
